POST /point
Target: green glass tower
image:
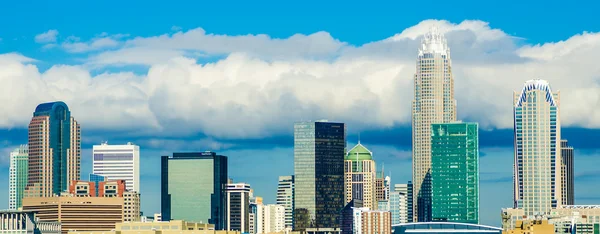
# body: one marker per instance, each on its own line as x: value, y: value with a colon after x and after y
x: 455, y: 172
x: 18, y: 176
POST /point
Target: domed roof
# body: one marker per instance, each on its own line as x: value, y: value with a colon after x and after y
x: 359, y: 153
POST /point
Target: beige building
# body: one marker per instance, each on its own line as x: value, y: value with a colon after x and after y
x: 433, y: 103
x: 171, y: 227
x: 359, y: 174
x: 77, y: 213
x: 531, y: 227
x: 131, y: 206
x: 366, y: 221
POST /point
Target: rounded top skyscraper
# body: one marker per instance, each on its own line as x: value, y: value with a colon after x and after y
x: 433, y: 103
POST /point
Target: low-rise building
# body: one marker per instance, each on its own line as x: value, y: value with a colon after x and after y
x: 167, y: 227
x: 570, y: 219
x: 531, y: 227
x: 20, y: 222
x: 444, y: 227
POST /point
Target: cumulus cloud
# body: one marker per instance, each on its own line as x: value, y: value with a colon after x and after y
x: 103, y: 41
x: 263, y: 85
x: 47, y: 37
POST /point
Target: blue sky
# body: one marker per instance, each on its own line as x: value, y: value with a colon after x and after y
x: 233, y: 77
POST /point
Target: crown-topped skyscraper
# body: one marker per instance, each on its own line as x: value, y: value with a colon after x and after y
x: 433, y: 103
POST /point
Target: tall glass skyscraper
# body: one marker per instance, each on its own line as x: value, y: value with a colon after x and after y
x: 567, y: 169
x: 319, y: 149
x: 17, y: 176
x: 54, y: 150
x: 455, y: 172
x: 285, y: 198
x: 193, y: 188
x: 360, y: 174
x: 433, y: 103
x: 537, y: 165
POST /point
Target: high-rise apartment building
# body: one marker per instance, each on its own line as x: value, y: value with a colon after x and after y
x: 17, y: 179
x: 360, y: 174
x: 118, y: 162
x: 366, y: 221
x: 455, y: 172
x: 319, y: 150
x: 238, y: 207
x: 193, y: 188
x: 567, y: 170
x: 433, y: 103
x: 537, y: 165
x: 54, y: 150
x: 285, y: 198
x: 270, y: 219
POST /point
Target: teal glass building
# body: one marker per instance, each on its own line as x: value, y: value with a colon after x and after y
x: 319, y: 150
x: 455, y: 172
x: 193, y: 188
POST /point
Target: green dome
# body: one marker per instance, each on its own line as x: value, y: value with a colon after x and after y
x: 359, y: 153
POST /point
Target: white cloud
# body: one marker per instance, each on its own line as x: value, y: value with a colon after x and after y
x: 264, y: 84
x: 47, y: 37
x: 175, y: 28
x: 102, y: 41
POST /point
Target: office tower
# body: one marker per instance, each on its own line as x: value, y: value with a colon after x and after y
x: 319, y: 149
x: 568, y: 179
x: 253, y: 216
x: 347, y: 223
x: 360, y: 173
x: 433, y: 103
x: 54, y: 150
x: 238, y: 204
x: 368, y: 221
x: 97, y: 179
x: 285, y: 197
x: 193, y: 188
x: 401, y: 194
x: 409, y: 204
x: 271, y: 219
x: 455, y: 172
x: 537, y: 170
x: 118, y: 162
x: 17, y: 176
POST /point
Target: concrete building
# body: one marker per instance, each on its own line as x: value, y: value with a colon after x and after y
x: 132, y: 201
x: 193, y: 188
x: 404, y: 192
x: 17, y: 178
x: 54, y: 150
x: 270, y: 219
x: 167, y: 227
x: 398, y: 207
x: 285, y: 198
x: 118, y: 162
x: 565, y: 218
x: 537, y: 165
x: 20, y: 222
x: 567, y: 173
x: 382, y: 186
x: 319, y: 150
x: 433, y: 103
x: 77, y: 213
x: 455, y: 172
x: 97, y: 179
x: 531, y: 227
x: 360, y: 174
x: 347, y: 216
x: 238, y: 205
x: 445, y: 227
x: 369, y: 221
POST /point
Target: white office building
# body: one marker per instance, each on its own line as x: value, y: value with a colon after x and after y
x: 118, y: 162
x: 270, y: 218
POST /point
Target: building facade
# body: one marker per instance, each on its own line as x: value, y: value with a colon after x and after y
x: 433, y: 103
x: 77, y: 213
x: 166, y: 227
x: 537, y: 161
x: 319, y: 150
x: 270, y: 219
x: 20, y: 222
x: 193, y: 188
x: 118, y: 162
x: 567, y: 173
x: 97, y: 179
x: 238, y: 205
x: 54, y: 150
x: 405, y: 192
x: 360, y: 174
x: 17, y: 179
x: 398, y: 207
x: 455, y: 172
x: 285, y: 198
x: 445, y: 227
x: 367, y: 221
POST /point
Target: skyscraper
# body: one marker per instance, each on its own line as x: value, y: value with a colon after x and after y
x: 537, y: 165
x: 193, y: 188
x: 285, y: 198
x: 54, y: 150
x: 360, y: 173
x: 433, y: 103
x: 17, y: 176
x: 118, y: 162
x: 404, y: 197
x: 455, y: 172
x: 238, y: 204
x: 567, y: 167
x: 319, y: 149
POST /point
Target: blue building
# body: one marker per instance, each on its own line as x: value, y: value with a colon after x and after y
x: 97, y: 179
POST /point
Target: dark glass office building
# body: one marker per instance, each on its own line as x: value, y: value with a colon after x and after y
x: 193, y: 188
x: 568, y: 179
x: 319, y: 149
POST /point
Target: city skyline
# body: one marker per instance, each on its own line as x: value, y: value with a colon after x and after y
x: 367, y: 76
